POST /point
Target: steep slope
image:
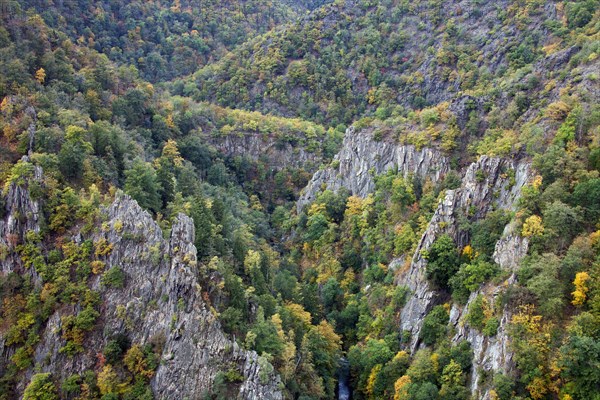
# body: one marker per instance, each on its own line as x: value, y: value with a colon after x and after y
x: 486, y: 185
x: 361, y: 158
x: 355, y: 57
x: 154, y: 299
x: 279, y: 142
x: 195, y: 348
x: 491, y: 354
x: 476, y: 196
x: 21, y: 214
x: 163, y: 39
x: 473, y: 290
x: 93, y: 126
x: 449, y: 249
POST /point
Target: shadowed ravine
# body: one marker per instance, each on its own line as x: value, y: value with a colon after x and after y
x: 343, y: 380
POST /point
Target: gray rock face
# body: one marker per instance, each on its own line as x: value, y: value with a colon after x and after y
x: 510, y: 249
x: 161, y: 302
x: 277, y: 154
x: 162, y: 299
x: 491, y: 354
x: 361, y: 158
x: 21, y: 214
x: 486, y: 184
x: 490, y: 183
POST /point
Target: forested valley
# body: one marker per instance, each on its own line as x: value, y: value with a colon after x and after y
x: 285, y: 199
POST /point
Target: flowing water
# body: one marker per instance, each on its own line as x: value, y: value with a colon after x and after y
x: 343, y: 380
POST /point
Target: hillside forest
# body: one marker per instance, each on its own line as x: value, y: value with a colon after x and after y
x: 227, y: 112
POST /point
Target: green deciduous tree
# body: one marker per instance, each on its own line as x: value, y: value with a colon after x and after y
x: 73, y: 152
x: 586, y: 195
x: 540, y: 274
x: 435, y: 325
x: 580, y: 366
x: 142, y: 185
x: 443, y: 261
x: 561, y: 222
x: 469, y: 277
x: 453, y: 383
x: 40, y: 387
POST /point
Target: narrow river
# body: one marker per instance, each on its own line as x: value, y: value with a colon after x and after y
x: 344, y: 380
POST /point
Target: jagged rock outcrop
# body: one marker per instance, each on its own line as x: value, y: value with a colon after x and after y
x: 163, y: 299
x: 488, y: 183
x: 21, y: 215
x: 510, y: 249
x: 361, y: 158
x: 161, y: 302
x: 491, y: 353
x: 276, y: 153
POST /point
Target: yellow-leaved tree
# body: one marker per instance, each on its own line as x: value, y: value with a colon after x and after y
x: 372, y: 378
x: 581, y: 289
x: 401, y: 387
x: 533, y: 226
x: 40, y: 75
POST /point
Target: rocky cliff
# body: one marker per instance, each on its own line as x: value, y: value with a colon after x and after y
x: 276, y: 153
x: 491, y: 354
x: 160, y: 302
x: 21, y: 215
x: 362, y: 158
x: 163, y: 298
x: 487, y: 184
